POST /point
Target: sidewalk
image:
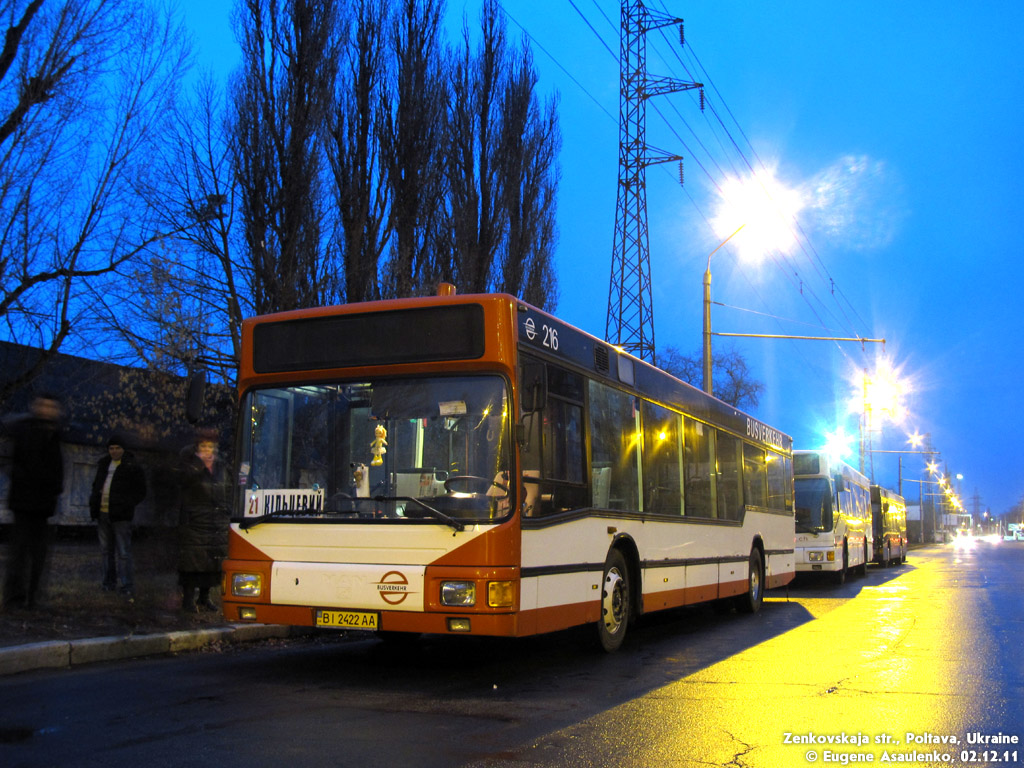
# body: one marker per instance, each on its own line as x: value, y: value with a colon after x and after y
x: 76, y: 622
x: 66, y: 653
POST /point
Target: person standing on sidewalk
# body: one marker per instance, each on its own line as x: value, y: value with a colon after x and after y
x: 205, y: 515
x: 37, y: 479
x: 119, y: 486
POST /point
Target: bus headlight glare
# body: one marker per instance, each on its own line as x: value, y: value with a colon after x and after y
x: 458, y: 593
x: 500, y: 594
x: 246, y: 584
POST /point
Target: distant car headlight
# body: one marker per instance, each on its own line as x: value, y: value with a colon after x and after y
x: 246, y: 584
x: 458, y: 593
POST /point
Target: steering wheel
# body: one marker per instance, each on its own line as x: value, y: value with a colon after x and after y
x: 474, y: 479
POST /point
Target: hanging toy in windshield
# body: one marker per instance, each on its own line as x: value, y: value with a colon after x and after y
x: 377, y: 446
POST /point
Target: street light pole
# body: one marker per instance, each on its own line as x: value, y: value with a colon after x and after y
x: 707, y: 313
x: 706, y: 357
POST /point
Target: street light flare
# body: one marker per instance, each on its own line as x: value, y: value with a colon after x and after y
x: 765, y: 209
x: 838, y: 444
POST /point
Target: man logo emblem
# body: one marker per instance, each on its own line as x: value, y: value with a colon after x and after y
x: 393, y: 587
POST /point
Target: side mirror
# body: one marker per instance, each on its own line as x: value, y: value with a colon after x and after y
x: 196, y: 395
x: 533, y: 392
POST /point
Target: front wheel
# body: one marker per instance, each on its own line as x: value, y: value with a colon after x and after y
x: 750, y: 602
x: 862, y: 569
x: 840, y: 575
x: 611, y: 626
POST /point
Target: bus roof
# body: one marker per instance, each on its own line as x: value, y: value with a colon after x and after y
x: 336, y: 337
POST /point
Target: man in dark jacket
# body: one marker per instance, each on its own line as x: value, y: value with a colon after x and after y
x: 119, y: 486
x: 37, y: 479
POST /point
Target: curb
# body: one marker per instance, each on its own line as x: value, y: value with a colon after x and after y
x: 57, y: 654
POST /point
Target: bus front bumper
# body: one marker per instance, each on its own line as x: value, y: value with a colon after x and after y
x: 817, y: 559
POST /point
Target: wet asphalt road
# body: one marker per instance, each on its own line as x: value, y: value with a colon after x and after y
x: 934, y: 648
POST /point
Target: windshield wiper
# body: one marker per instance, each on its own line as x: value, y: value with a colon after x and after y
x: 804, y: 528
x: 446, y: 519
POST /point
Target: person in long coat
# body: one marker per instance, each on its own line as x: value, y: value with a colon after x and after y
x: 203, y: 529
x: 37, y: 480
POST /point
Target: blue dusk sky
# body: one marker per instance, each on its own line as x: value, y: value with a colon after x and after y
x: 886, y: 135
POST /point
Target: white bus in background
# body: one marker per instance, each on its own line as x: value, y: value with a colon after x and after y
x: 833, y: 516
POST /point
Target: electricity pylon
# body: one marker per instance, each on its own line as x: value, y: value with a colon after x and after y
x: 630, y: 322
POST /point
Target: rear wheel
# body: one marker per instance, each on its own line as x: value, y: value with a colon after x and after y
x: 611, y: 626
x: 750, y: 602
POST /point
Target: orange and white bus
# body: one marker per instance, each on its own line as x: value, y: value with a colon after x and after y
x: 470, y: 464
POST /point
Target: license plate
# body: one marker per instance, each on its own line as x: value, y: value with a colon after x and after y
x: 347, y: 619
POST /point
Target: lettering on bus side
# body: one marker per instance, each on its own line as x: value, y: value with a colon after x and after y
x: 539, y: 332
x: 764, y: 433
x: 544, y: 333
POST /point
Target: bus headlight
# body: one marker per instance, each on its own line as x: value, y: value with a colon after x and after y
x: 246, y: 584
x: 500, y: 594
x: 815, y: 557
x: 458, y: 593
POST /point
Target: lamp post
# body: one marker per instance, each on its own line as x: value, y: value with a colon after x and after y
x: 880, y: 391
x: 707, y: 313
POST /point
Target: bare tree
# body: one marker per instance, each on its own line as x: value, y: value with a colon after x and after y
x: 412, y: 140
x: 180, y: 306
x: 477, y: 216
x: 731, y: 378
x: 281, y: 100
x: 530, y: 140
x: 360, y: 191
x: 83, y: 84
x: 502, y: 167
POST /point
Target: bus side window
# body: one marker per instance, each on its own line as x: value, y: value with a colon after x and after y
x: 699, y: 469
x: 730, y: 486
x: 778, y: 484
x: 614, y: 451
x: 755, y: 476
x: 662, y: 463
x: 553, y: 451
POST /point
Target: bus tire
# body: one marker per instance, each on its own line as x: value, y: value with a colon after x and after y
x: 862, y: 569
x: 887, y: 557
x: 751, y: 600
x: 615, y: 603
x: 840, y: 575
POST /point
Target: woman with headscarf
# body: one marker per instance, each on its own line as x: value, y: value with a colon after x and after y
x: 203, y: 529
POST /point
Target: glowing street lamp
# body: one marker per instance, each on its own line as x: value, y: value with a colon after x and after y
x: 880, y: 392
x: 837, y: 444
x: 766, y: 208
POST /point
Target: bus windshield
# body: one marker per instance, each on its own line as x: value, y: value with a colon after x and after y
x: 813, y: 504
x: 390, y: 449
